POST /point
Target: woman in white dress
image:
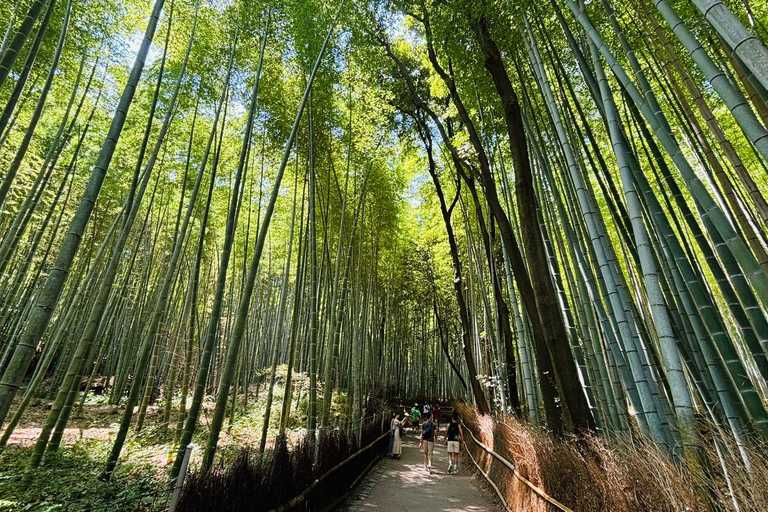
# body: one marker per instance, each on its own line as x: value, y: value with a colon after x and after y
x: 397, y: 446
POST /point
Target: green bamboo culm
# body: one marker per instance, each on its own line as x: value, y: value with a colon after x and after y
x: 225, y: 257
x: 278, y: 331
x: 62, y: 406
x: 23, y: 76
x: 244, y: 306
x: 190, y: 421
x: 709, y: 208
x: 59, y: 413
x: 681, y: 396
x: 13, y: 49
x: 21, y: 151
x: 49, y: 296
x: 731, y: 96
x: 744, y: 44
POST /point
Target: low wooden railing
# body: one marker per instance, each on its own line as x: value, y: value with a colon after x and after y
x: 306, y: 500
x: 538, y: 491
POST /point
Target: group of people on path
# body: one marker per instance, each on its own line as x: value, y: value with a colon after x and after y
x: 429, y: 429
x: 416, y: 414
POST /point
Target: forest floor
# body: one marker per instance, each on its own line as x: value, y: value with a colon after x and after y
x: 68, y: 481
x: 94, y: 424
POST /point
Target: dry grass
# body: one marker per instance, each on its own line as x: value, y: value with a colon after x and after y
x: 729, y: 479
x: 620, y: 473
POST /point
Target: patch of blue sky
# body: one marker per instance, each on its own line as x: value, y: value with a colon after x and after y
x: 289, y: 54
x: 344, y: 37
x: 134, y: 43
x: 220, y: 5
x: 398, y: 28
x: 339, y: 53
x: 413, y: 194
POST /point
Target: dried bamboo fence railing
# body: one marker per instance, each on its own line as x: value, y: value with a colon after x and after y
x: 507, y: 467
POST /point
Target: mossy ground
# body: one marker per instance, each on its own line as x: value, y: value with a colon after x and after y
x: 69, y: 480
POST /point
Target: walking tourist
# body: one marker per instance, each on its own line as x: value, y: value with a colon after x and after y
x: 395, y: 438
x: 427, y: 441
x: 392, y: 434
x: 415, y: 414
x: 454, y: 436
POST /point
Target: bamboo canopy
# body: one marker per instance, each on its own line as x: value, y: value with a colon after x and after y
x: 555, y: 212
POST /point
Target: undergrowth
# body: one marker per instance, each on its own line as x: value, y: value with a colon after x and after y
x: 255, y: 482
x: 619, y: 473
x: 68, y: 481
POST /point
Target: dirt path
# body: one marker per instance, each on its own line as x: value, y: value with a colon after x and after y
x: 404, y: 485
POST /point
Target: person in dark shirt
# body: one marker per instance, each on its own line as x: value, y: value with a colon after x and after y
x: 454, y: 436
x: 427, y: 440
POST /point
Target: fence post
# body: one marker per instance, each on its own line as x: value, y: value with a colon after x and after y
x: 180, y: 478
x: 360, y: 432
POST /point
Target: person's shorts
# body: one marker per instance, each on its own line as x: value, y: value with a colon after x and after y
x: 428, y: 447
x: 453, y: 447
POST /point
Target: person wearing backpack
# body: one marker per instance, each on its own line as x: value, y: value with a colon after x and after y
x: 454, y: 436
x: 427, y: 441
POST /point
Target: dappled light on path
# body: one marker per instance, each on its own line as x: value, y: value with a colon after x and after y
x: 406, y: 485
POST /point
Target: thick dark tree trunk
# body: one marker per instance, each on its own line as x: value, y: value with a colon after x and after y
x: 458, y: 282
x: 549, y: 389
x: 548, y: 308
x: 502, y: 310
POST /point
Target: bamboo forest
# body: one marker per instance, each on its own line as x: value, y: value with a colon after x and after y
x: 447, y: 255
